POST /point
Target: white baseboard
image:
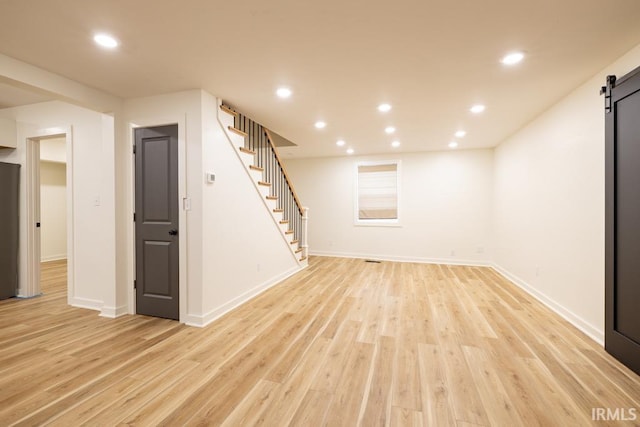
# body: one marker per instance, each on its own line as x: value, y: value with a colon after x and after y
x: 53, y: 258
x: 29, y: 297
x: 577, y: 321
x: 396, y: 258
x: 113, y: 312
x: 86, y: 303
x: 204, y: 320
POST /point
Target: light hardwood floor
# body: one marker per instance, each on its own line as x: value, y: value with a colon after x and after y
x: 344, y: 342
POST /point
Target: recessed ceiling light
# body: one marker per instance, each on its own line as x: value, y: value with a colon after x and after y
x: 460, y: 134
x: 105, y: 40
x: 349, y: 150
x: 320, y: 125
x: 512, y: 58
x: 383, y: 108
x: 453, y: 144
x: 339, y: 143
x: 283, y: 92
x: 389, y: 129
x: 395, y: 144
x: 477, y: 109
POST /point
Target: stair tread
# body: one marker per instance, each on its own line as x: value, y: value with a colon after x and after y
x: 228, y: 110
x: 288, y: 232
x: 293, y: 242
x: 272, y: 197
x: 298, y: 250
x: 284, y: 221
x: 266, y: 184
x: 256, y: 168
x: 278, y: 210
x: 238, y: 131
x: 246, y: 150
x: 303, y: 258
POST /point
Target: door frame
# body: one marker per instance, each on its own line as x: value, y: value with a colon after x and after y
x: 31, y: 286
x: 181, y: 121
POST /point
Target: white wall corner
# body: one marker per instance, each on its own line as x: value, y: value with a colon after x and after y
x: 590, y: 330
x: 204, y: 320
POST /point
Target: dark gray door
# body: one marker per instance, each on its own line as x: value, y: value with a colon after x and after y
x: 622, y: 332
x: 157, y: 273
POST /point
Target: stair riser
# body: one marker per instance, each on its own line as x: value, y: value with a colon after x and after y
x: 256, y: 175
x: 247, y: 159
x: 264, y: 190
x: 237, y: 140
x: 226, y: 119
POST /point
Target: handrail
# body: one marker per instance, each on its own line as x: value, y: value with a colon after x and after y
x: 258, y: 141
x: 284, y: 171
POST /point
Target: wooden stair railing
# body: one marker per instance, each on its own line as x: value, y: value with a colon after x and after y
x: 258, y: 141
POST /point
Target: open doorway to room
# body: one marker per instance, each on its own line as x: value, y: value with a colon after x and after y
x: 49, y: 212
x: 53, y: 216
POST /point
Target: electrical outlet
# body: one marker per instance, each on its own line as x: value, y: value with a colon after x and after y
x: 453, y: 252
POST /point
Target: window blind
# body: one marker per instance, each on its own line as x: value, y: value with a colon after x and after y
x: 378, y: 191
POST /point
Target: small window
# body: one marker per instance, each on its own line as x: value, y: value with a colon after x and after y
x: 377, y: 193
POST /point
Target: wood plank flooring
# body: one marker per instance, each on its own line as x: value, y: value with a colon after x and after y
x: 343, y: 343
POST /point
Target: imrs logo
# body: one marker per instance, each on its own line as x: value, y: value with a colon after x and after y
x: 614, y: 414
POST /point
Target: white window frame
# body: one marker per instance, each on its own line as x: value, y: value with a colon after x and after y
x: 377, y: 222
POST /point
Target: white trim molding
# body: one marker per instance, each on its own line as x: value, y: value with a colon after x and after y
x: 113, y: 312
x: 58, y: 257
x: 577, y: 321
x: 396, y: 258
x: 204, y: 320
x: 87, y: 303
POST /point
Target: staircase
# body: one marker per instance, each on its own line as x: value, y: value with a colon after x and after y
x: 254, y: 146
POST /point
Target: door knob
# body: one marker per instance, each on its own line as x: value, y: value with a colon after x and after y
x: 173, y: 232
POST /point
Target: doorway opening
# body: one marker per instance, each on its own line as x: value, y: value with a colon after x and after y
x: 49, y: 212
x: 53, y: 216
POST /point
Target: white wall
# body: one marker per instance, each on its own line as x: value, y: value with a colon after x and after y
x: 445, y: 207
x: 183, y: 108
x: 228, y: 230
x: 549, y: 203
x: 244, y: 251
x: 92, y: 272
x: 53, y: 210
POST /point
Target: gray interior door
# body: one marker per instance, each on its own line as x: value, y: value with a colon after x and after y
x: 622, y: 324
x: 156, y: 221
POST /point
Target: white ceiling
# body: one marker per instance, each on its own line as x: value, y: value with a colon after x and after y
x: 430, y: 60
